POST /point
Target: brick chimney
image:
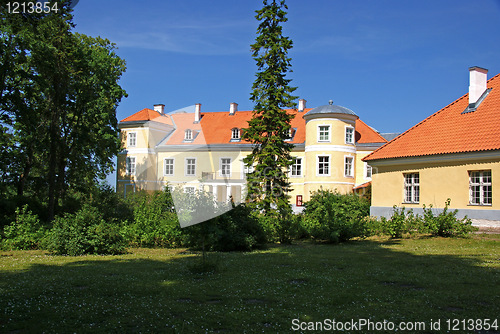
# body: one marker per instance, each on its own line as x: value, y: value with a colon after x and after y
x: 477, y: 83
x: 197, y: 112
x: 233, y: 107
x: 159, y: 108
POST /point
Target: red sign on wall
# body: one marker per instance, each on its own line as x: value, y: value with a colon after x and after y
x: 298, y: 200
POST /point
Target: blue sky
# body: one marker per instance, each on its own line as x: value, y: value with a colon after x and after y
x: 392, y: 62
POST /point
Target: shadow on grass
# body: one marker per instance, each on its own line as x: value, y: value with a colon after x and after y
x: 146, y: 291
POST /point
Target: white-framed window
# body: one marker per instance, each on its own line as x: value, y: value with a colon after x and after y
x: 349, y: 135
x: 130, y: 165
x: 480, y: 187
x: 132, y: 139
x: 190, y: 166
x: 235, y: 134
x: 188, y: 134
x: 168, y: 167
x: 323, y: 133
x: 297, y: 167
x: 323, y: 165
x: 412, y: 188
x: 189, y: 189
x: 348, y: 166
x: 368, y: 171
x: 225, y: 166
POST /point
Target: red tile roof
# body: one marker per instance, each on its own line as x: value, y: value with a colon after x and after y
x: 215, y: 127
x: 366, y: 134
x: 363, y: 185
x: 450, y: 131
x: 143, y: 115
x: 148, y: 115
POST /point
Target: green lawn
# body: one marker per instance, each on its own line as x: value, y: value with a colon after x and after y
x: 154, y: 290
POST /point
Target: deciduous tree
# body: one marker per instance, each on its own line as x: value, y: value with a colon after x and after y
x: 59, y: 94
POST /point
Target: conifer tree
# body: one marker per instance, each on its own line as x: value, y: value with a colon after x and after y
x: 267, y: 184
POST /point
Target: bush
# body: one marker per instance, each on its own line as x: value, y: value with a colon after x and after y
x: 446, y: 224
x: 85, y: 232
x: 24, y: 233
x: 154, y: 221
x: 401, y: 222
x: 110, y: 204
x: 335, y: 217
x: 235, y: 230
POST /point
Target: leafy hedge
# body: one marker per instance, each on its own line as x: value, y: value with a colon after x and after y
x: 25, y: 233
x: 85, y: 232
x: 335, y: 217
x: 105, y: 223
x: 405, y: 222
x: 154, y: 222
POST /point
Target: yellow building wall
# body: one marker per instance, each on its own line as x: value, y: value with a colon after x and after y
x: 360, y: 175
x: 337, y: 149
x: 297, y: 182
x: 142, y: 137
x: 145, y: 172
x: 150, y: 167
x: 438, y: 182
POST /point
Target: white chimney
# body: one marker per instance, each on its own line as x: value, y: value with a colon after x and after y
x: 477, y: 83
x: 302, y: 105
x: 233, y: 107
x: 197, y: 111
x: 159, y: 108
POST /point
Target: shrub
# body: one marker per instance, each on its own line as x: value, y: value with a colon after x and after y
x: 446, y: 224
x: 25, y: 232
x: 335, y: 217
x: 235, y: 230
x: 110, y: 204
x: 372, y: 226
x: 85, y: 232
x: 401, y: 222
x: 281, y: 227
x: 154, y: 221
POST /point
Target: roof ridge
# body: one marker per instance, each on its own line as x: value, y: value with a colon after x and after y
x: 398, y: 146
x: 421, y: 122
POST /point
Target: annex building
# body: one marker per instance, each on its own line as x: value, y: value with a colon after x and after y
x: 204, y: 150
x: 454, y: 153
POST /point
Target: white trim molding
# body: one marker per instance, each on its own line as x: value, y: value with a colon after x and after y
x: 332, y: 148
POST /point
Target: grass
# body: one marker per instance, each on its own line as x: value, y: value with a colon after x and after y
x: 157, y: 290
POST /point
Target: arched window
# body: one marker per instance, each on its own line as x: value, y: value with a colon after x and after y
x: 188, y: 135
x: 235, y: 133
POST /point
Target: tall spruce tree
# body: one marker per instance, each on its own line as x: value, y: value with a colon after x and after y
x: 268, y: 184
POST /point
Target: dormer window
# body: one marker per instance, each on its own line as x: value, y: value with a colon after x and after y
x: 188, y: 135
x: 235, y: 134
x: 290, y: 134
